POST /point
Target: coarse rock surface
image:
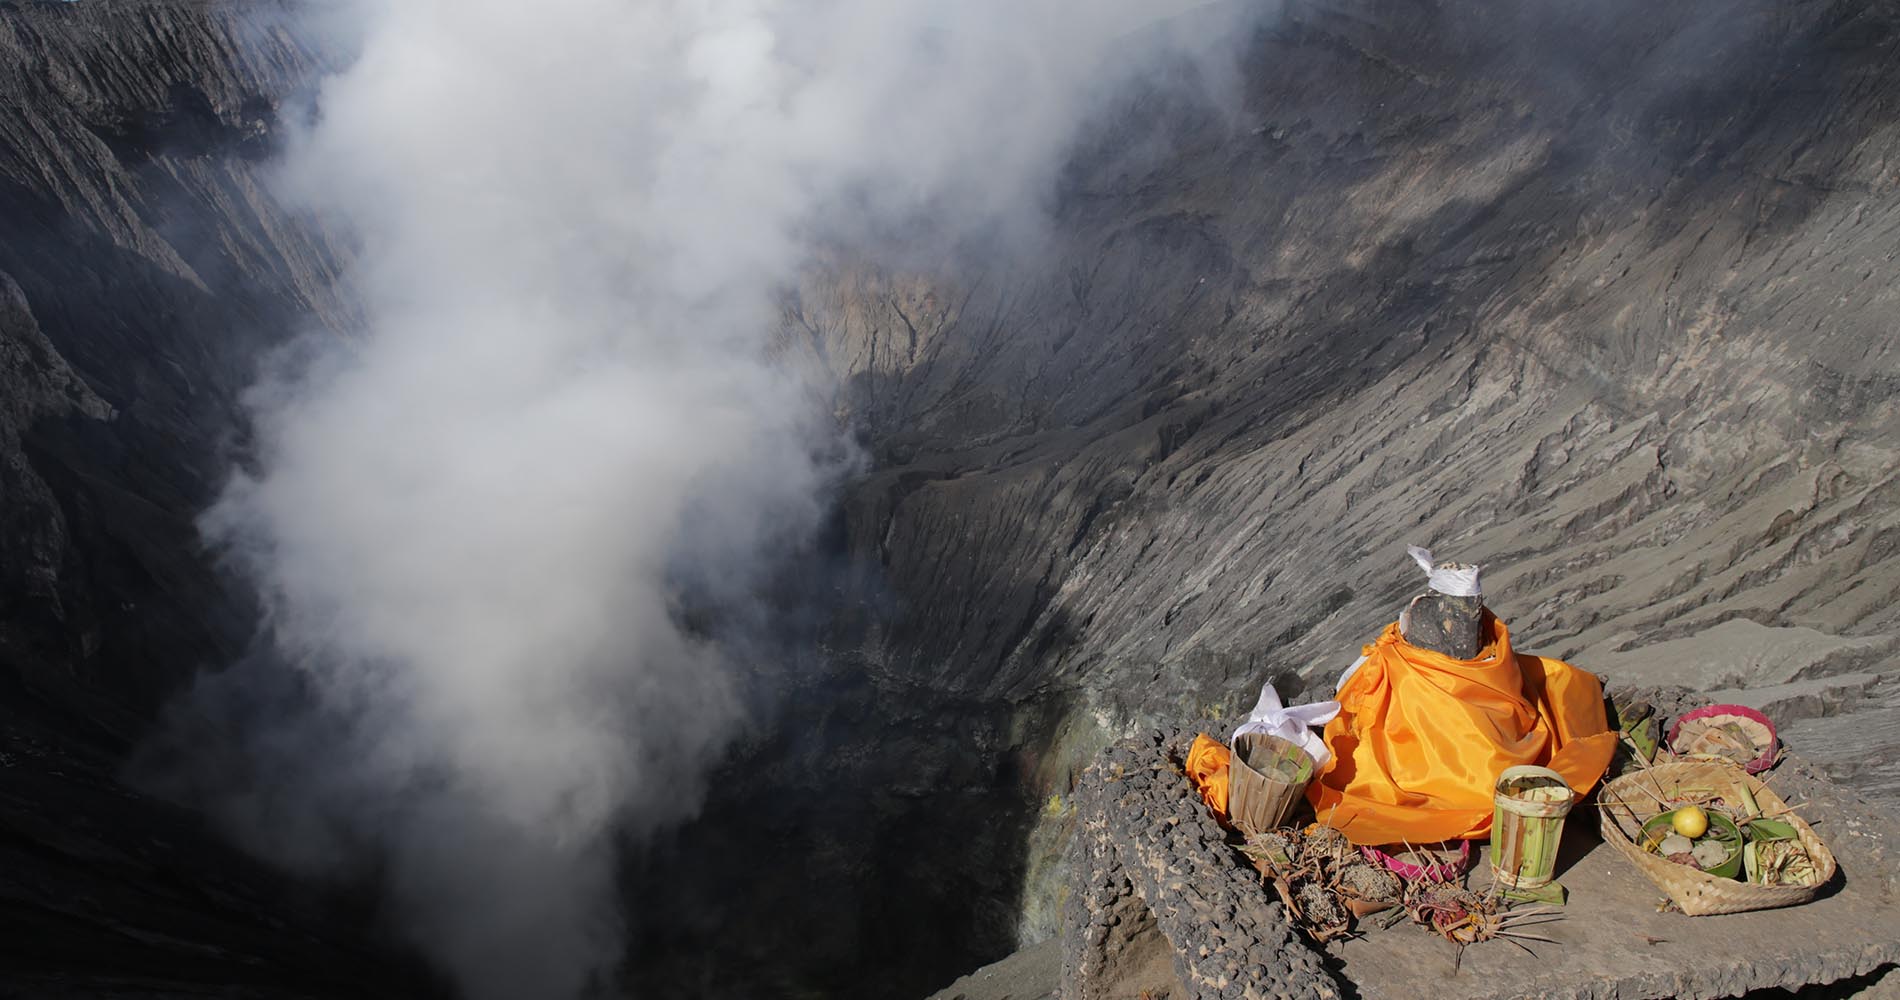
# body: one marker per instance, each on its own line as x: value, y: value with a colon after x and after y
x: 1030, y: 974
x: 1148, y: 861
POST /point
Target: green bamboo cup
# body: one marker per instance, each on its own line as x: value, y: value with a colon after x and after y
x: 1527, y: 823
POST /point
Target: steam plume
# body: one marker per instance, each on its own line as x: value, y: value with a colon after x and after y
x: 573, y: 216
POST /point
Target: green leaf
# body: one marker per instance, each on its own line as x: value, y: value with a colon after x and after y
x: 1771, y: 829
x: 1552, y: 894
x: 1647, y: 735
x: 1748, y: 800
x: 1628, y: 715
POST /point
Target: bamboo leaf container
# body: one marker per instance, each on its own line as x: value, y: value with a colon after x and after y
x: 1527, y: 824
x: 1268, y: 779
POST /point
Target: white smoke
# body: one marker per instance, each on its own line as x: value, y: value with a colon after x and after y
x: 573, y: 218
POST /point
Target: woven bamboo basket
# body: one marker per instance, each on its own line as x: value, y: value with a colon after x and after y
x: 1630, y: 800
x: 1268, y: 778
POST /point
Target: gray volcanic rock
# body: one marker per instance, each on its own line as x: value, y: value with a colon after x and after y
x: 139, y: 234
x: 35, y: 384
x: 144, y: 270
x: 1600, y: 298
x: 1155, y: 878
x: 1544, y: 325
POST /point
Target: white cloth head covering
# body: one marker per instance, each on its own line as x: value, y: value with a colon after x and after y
x: 1452, y: 582
x: 1290, y: 724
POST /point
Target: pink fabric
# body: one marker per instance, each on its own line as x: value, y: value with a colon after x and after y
x: 1445, y: 872
x: 1756, y: 766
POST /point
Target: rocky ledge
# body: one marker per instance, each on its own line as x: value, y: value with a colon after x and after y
x: 1160, y: 906
x: 1154, y: 876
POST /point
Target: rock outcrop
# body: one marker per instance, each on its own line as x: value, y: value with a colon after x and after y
x: 1153, y: 875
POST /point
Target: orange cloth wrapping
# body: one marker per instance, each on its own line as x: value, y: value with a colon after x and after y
x: 1207, y: 765
x: 1421, y: 737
